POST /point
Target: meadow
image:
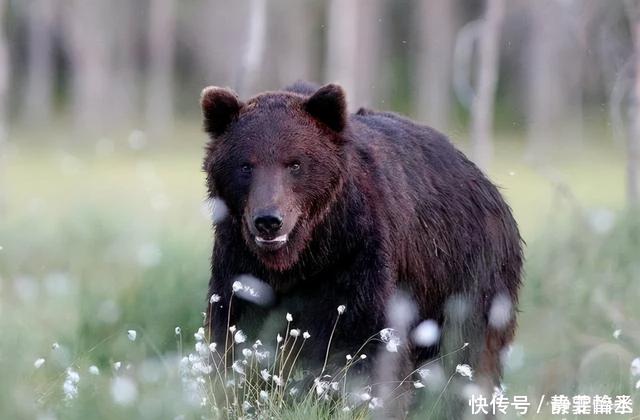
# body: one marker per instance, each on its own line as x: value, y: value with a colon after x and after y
x: 111, y: 235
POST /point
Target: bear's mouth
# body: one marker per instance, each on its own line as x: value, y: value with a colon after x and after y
x: 271, y: 243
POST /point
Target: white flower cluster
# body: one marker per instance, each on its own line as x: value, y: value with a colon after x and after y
x: 70, y: 385
x: 390, y: 337
x: 196, y: 368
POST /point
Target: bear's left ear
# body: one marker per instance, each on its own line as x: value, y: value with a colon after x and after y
x: 329, y: 106
x: 220, y: 107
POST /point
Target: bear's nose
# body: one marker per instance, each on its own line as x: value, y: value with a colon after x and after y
x: 268, y: 224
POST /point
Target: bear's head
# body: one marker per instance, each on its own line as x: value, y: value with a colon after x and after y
x: 277, y: 161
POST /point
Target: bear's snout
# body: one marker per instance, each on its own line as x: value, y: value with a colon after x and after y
x: 268, y: 224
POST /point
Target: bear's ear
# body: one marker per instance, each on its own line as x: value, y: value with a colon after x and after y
x: 329, y: 106
x: 220, y: 107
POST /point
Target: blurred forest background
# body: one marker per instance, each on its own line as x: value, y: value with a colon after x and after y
x: 103, y: 225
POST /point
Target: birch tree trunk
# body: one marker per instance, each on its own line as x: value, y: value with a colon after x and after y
x: 633, y: 140
x: 435, y: 22
x: 4, y: 90
x: 353, y: 49
x: 161, y: 43
x: 90, y: 62
x: 554, y: 72
x: 5, y: 69
x: 37, y: 102
x: 482, y: 106
x: 122, y: 38
x: 342, y: 43
x: 253, y: 49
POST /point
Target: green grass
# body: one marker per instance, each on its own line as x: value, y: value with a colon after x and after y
x: 94, y: 244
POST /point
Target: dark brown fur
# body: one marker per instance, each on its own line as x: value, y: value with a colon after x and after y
x: 379, y: 204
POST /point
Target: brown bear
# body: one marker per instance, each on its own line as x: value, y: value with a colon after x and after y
x: 330, y: 208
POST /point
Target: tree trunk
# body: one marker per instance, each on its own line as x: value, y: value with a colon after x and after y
x: 4, y: 90
x: 37, y: 104
x: 342, y: 44
x: 253, y: 49
x: 89, y: 57
x: 435, y: 21
x: 554, y: 75
x: 5, y: 68
x: 353, y: 49
x: 486, y: 82
x: 161, y: 43
x: 633, y: 141
x: 123, y: 37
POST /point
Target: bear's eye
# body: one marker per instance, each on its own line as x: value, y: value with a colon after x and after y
x: 294, y: 166
x: 246, y: 168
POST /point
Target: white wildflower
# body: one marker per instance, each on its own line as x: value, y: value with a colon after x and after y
x: 306, y: 335
x: 203, y: 402
x: 70, y: 385
x: 334, y: 385
x: 278, y: 380
x: 501, y: 311
x: 349, y: 357
x: 201, y: 368
x: 247, y: 353
x: 341, y: 309
x: 202, y: 349
x: 465, y: 370
x: 132, y: 334
x: 635, y: 367
x: 124, y: 390
x: 237, y: 367
x: 178, y: 331
x: 365, y: 396
x: 93, y: 369
x: 55, y: 346
x: 294, y: 333
x: 73, y: 376
x: 184, y: 362
x: 214, y: 298
x: 38, y: 363
x: 289, y: 317
x: 346, y: 409
x: 418, y: 385
x: 212, y: 347
x: 232, y: 329
x: 116, y: 365
x: 390, y: 337
x: 261, y: 355
x: 239, y: 337
x: 265, y: 374
x: 257, y: 343
x: 616, y: 334
x: 246, y: 406
x: 279, y: 338
x: 363, y: 356
x: 426, y: 333
x: 236, y: 286
x: 293, y: 391
x: 264, y: 395
x: 321, y: 386
x: 375, y: 403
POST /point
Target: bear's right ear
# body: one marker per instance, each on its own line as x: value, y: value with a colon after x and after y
x: 220, y: 107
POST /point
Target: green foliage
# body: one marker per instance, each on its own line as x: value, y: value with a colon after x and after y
x: 88, y: 254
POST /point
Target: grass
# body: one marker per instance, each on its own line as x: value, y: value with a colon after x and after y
x: 100, y: 240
